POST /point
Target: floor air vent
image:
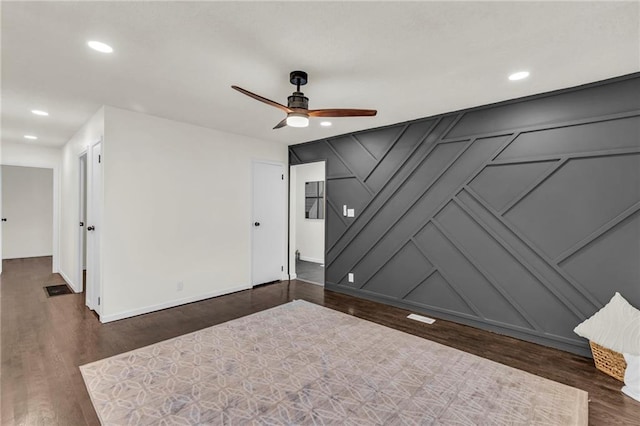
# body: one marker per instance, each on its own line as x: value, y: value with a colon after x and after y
x: 57, y: 290
x: 420, y: 318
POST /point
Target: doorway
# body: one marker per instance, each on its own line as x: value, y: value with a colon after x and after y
x: 268, y: 223
x: 82, y: 225
x: 307, y: 191
x: 27, y: 212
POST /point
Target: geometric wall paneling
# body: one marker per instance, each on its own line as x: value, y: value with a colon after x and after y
x: 576, y: 200
x: 398, y: 152
x: 521, y: 217
x: 349, y: 191
x: 311, y: 153
x: 483, y: 297
x: 532, y: 297
x: 611, y: 262
x: 416, y: 207
x: 589, y: 137
x: 436, y: 293
x: 386, y: 214
x: 570, y: 291
x: 587, y: 104
x: 338, y: 224
x: 394, y: 178
x: 386, y: 281
x: 379, y: 141
x: 364, y: 160
x: 412, y: 135
x: 499, y: 185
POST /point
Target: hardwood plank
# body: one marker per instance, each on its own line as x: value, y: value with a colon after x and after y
x: 44, y: 341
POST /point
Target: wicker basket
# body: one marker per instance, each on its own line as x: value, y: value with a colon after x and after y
x: 608, y: 361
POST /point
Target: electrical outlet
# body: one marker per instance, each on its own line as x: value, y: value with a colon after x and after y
x: 351, y: 277
x: 180, y: 285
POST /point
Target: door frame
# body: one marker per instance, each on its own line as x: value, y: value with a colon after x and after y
x: 81, y: 197
x: 55, y: 264
x: 291, y: 258
x: 285, y: 239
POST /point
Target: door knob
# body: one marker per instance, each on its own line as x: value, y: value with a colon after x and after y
x: 81, y: 223
x: 256, y: 224
x: 91, y: 228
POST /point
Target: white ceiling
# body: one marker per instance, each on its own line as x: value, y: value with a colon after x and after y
x: 408, y: 60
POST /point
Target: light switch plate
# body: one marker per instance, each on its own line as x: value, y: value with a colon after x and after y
x: 351, y: 212
x: 351, y: 279
x: 344, y: 210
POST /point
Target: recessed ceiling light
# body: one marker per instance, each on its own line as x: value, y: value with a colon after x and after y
x: 325, y: 123
x: 30, y: 137
x: 100, y: 47
x: 39, y: 112
x: 519, y: 75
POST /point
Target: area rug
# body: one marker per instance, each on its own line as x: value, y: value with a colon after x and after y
x: 303, y: 364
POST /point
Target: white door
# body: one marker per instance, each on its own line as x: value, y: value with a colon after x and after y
x: 268, y: 223
x: 94, y: 231
x: 27, y: 212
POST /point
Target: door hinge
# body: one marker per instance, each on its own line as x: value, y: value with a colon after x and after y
x: 99, y: 158
x: 282, y: 177
x: 98, y: 300
x: 282, y: 268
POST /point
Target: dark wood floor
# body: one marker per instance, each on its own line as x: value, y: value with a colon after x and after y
x: 44, y: 340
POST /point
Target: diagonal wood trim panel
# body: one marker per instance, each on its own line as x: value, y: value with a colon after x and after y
x: 521, y: 217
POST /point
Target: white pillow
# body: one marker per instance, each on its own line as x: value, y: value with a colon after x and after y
x: 616, y: 326
x: 632, y: 376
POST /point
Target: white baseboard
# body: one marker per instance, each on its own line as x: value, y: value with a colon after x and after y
x: 293, y: 276
x: 310, y: 282
x: 26, y: 256
x: 311, y: 259
x: 70, y: 282
x: 169, y: 304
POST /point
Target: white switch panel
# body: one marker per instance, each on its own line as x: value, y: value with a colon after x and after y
x: 351, y: 213
x: 351, y: 279
x: 344, y: 210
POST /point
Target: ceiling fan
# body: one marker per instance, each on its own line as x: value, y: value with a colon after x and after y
x: 297, y: 108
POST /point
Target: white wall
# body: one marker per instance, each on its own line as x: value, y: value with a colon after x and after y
x: 91, y: 132
x: 309, y: 235
x: 177, y: 208
x: 28, y: 155
x: 27, y: 200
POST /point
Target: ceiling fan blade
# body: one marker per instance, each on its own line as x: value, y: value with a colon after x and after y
x: 281, y: 124
x: 262, y: 99
x: 342, y: 112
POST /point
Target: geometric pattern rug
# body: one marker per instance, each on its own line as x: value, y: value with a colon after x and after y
x: 300, y: 363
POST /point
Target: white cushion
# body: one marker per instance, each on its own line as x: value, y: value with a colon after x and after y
x: 632, y: 376
x: 616, y: 326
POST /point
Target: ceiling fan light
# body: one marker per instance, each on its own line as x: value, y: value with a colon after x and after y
x: 297, y: 120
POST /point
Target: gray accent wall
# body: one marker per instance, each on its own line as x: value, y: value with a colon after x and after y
x: 521, y: 217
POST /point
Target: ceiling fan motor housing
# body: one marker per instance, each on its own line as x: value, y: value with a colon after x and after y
x: 298, y: 100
